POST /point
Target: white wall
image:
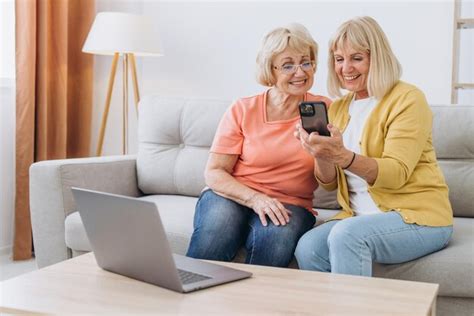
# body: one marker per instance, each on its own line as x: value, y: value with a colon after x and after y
x: 7, y: 123
x: 215, y: 44
x: 7, y: 163
x: 210, y: 47
x: 7, y: 42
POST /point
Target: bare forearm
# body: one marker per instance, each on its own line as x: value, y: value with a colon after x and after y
x: 224, y: 184
x: 324, y: 171
x: 364, y: 167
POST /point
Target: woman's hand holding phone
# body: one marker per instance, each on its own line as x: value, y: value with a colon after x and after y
x: 328, y: 149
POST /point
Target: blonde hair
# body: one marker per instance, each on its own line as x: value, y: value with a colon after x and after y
x: 365, y: 34
x: 294, y: 36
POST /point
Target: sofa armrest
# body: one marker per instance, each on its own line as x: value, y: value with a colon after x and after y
x: 51, y: 198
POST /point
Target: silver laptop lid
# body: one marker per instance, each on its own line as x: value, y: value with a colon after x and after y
x: 127, y: 237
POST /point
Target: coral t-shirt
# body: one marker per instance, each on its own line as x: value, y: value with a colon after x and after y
x: 271, y: 160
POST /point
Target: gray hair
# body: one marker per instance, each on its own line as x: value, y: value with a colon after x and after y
x: 294, y: 36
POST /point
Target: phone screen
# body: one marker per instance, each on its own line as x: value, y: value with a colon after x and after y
x: 314, y: 117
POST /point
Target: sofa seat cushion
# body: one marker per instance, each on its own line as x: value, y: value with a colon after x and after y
x: 75, y: 234
x: 177, y: 215
x: 452, y: 268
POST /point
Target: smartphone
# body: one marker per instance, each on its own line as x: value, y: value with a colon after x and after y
x: 314, y: 117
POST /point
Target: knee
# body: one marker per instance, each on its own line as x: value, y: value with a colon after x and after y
x: 342, y: 234
x: 283, y: 238
x: 309, y: 247
x: 270, y: 245
x: 312, y: 253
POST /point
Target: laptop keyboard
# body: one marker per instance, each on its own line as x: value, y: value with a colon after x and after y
x: 188, y: 277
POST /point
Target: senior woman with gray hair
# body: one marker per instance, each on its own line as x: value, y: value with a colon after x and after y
x: 380, y: 158
x: 260, y: 181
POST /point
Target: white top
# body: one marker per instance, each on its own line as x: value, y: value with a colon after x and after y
x: 360, y: 200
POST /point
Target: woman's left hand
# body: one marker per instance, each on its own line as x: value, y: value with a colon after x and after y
x: 329, y: 149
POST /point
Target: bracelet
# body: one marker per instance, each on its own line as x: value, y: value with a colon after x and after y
x: 350, y: 163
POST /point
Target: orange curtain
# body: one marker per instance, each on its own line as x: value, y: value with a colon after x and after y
x: 53, y: 94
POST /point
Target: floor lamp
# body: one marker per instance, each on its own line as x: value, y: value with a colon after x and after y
x: 121, y: 35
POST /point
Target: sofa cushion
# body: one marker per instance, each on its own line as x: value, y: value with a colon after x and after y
x: 177, y: 216
x: 75, y: 233
x: 452, y: 268
x: 453, y: 127
x: 453, y: 130
x: 459, y: 175
x: 176, y: 133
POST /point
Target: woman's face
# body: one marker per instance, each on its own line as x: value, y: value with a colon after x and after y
x: 352, y: 69
x: 290, y: 79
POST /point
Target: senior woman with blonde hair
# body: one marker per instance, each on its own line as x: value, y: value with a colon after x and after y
x: 260, y: 181
x: 380, y: 158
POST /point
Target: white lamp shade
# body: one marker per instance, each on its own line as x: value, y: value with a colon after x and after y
x: 117, y: 32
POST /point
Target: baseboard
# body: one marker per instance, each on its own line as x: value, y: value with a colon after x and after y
x: 7, y: 250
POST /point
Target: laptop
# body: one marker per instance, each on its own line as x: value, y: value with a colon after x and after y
x: 127, y: 237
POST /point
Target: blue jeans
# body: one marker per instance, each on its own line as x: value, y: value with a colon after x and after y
x: 349, y: 246
x: 222, y: 226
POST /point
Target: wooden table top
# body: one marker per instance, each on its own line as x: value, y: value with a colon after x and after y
x: 78, y: 285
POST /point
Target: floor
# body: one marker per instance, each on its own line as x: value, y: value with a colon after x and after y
x: 10, y: 269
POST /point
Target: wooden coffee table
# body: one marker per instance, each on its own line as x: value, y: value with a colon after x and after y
x: 78, y: 285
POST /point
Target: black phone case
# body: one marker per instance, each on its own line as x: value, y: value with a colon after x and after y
x: 315, y: 120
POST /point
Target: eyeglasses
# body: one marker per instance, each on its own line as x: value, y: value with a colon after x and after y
x: 289, y: 69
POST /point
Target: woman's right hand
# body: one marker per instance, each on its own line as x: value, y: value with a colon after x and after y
x: 264, y: 206
x: 324, y: 164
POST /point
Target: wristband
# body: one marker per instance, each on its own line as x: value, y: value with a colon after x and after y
x: 350, y: 163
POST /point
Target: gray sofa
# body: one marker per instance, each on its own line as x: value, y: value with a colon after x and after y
x: 174, y: 138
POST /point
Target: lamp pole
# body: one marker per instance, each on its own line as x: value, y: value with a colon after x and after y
x: 125, y: 105
x: 105, y: 114
x: 128, y: 61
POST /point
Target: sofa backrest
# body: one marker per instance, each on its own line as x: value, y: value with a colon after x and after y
x: 175, y: 135
x: 453, y: 138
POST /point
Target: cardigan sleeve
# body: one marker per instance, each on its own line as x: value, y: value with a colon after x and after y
x: 408, y: 129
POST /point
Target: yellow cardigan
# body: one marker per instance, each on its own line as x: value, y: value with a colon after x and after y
x: 397, y: 134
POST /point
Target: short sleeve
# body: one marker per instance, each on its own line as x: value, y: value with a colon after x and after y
x: 229, y: 137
